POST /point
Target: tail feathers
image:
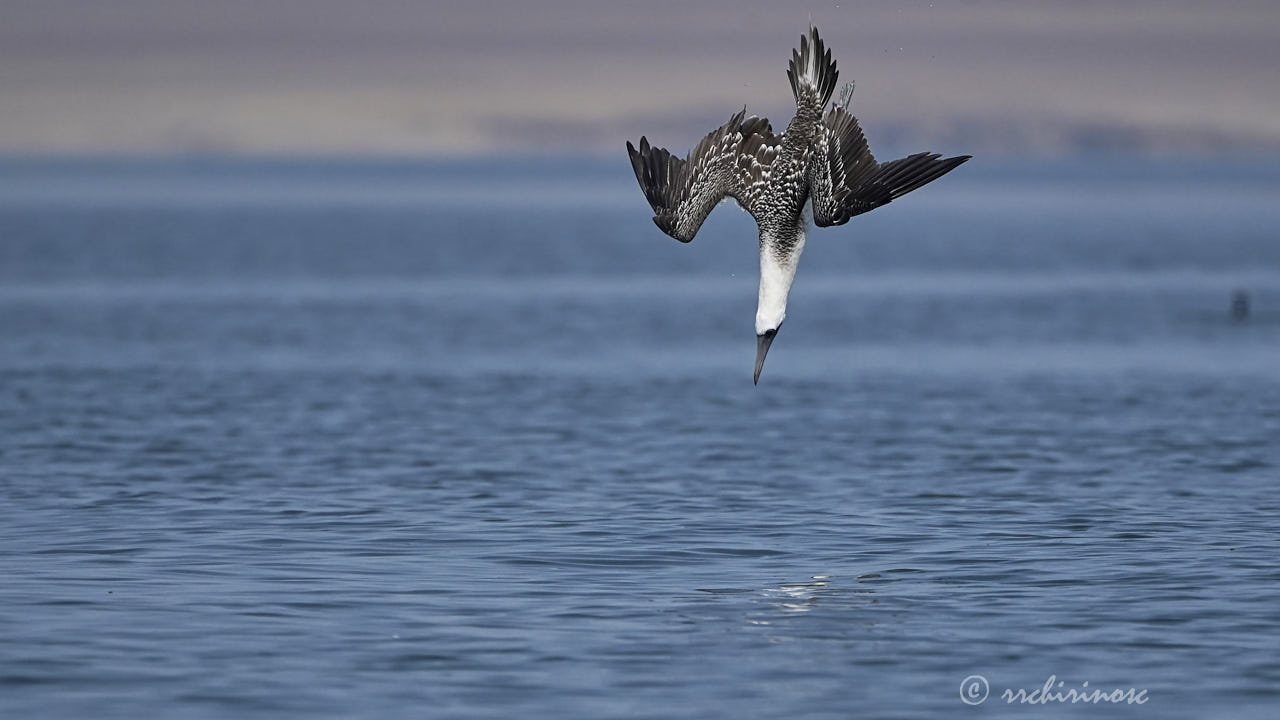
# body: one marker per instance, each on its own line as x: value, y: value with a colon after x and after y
x: 812, y: 71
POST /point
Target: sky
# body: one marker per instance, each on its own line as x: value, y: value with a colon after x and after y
x: 401, y: 78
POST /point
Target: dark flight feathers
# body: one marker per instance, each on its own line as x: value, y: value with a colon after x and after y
x: 845, y: 179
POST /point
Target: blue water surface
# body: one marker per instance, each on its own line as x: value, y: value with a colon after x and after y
x: 357, y: 439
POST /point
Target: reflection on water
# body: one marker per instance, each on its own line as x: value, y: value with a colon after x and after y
x: 799, y: 597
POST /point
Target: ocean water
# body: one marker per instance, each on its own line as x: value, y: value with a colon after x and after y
x: 348, y: 439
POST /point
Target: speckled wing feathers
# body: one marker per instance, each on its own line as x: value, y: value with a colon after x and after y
x: 731, y: 161
x: 841, y: 160
x: 754, y: 164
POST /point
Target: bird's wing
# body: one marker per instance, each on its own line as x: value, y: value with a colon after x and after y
x: 731, y: 161
x: 754, y: 164
x: 845, y: 179
x: 839, y: 163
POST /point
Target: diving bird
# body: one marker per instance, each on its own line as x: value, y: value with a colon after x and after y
x: 820, y: 169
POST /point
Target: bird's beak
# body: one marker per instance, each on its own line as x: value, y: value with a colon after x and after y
x: 763, y: 342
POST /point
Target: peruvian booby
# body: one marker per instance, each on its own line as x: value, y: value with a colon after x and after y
x: 819, y: 169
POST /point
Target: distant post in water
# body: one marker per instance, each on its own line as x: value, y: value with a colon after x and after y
x: 1240, y: 306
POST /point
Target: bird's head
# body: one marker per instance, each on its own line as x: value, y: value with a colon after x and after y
x: 776, y: 277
